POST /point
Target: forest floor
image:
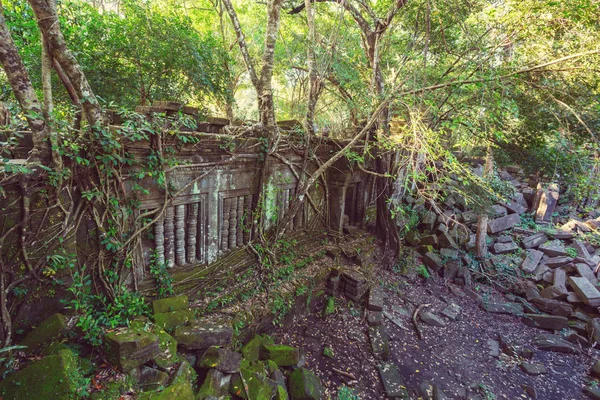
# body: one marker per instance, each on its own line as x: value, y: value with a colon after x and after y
x: 457, y: 357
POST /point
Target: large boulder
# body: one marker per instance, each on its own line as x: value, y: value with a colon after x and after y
x: 282, y: 355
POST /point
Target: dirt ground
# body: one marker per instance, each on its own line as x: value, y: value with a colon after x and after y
x: 456, y: 356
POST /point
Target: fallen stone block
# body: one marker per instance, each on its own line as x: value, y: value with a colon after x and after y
x: 554, y: 307
x: 555, y: 262
x: 375, y: 300
x: 554, y: 343
x: 503, y: 308
x: 534, y: 368
x: 379, y: 342
x: 554, y: 248
x: 282, y: 355
x: 544, y: 321
x: 503, y: 223
x: 374, y: 318
x: 504, y: 248
x: 531, y: 261
x: 585, y: 291
x: 431, y: 260
x: 446, y: 240
x: 305, y: 385
x: 48, y: 330
x: 170, y: 304
x: 202, y: 335
x: 534, y: 241
x: 515, y: 208
x: 220, y: 359
x: 173, y: 319
x: 432, y: 319
x: 548, y: 198
x: 127, y: 348
x: 392, y: 381
x: 586, y: 271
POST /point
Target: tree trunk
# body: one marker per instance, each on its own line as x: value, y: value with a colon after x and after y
x: 24, y: 92
x: 48, y: 23
x: 482, y: 219
x: 314, y: 85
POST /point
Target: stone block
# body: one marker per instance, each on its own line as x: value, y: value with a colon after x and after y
x: 152, y: 378
x: 432, y: 319
x: 48, y: 330
x: 503, y: 223
x: 173, y: 319
x: 223, y: 360
x: 534, y: 241
x: 531, y: 261
x: 585, y: 291
x: 446, y: 240
x: 515, y: 208
x: 379, y: 342
x: 375, y: 300
x: 555, y: 248
x: 282, y: 355
x: 429, y: 240
x: 554, y: 307
x: 202, y: 335
x: 305, y: 385
x: 449, y: 254
x: 586, y: 271
x: 503, y: 308
x: 170, y: 304
x: 545, y: 321
x: 431, y: 260
x: 497, y: 211
x: 127, y: 348
x: 555, y: 262
x: 504, y: 248
x: 55, y: 377
x: 374, y: 318
x: 392, y: 381
x: 547, y: 203
x: 554, y: 343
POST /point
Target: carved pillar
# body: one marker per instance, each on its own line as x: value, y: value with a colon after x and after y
x: 201, y: 239
x: 233, y: 223
x: 225, y: 224
x: 159, y: 240
x: 241, y: 220
x: 180, y: 234
x: 169, y: 229
x: 248, y: 221
x: 192, y: 231
x: 291, y: 198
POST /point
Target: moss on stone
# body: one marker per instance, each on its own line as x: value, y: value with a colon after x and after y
x: 304, y: 385
x: 56, y: 377
x: 173, y: 319
x: 282, y: 355
x: 50, y: 329
x: 170, y: 304
x: 127, y: 348
x: 251, y: 350
x: 167, y: 346
x: 180, y: 387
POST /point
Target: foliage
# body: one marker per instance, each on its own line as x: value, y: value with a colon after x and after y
x: 346, y: 393
x: 423, y: 272
x: 164, y: 280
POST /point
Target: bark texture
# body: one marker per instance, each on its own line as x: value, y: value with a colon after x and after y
x: 23, y: 89
x: 49, y: 26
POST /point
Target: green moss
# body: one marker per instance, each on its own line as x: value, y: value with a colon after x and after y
x: 173, y: 319
x: 50, y: 329
x: 170, y: 304
x: 304, y: 385
x: 56, y: 377
x: 130, y: 347
x: 284, y: 356
x: 251, y: 350
x: 180, y: 388
x: 168, y: 348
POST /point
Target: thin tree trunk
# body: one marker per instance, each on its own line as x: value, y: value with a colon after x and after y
x: 314, y: 85
x: 47, y: 62
x: 482, y: 219
x: 24, y: 92
x: 48, y: 23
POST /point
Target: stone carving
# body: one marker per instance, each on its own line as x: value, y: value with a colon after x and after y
x: 159, y: 240
x: 169, y: 229
x: 192, y: 231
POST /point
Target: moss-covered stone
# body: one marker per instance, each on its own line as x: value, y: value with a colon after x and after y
x: 54, y: 348
x: 152, y: 378
x: 251, y: 350
x: 180, y: 387
x: 304, y: 385
x: 221, y: 359
x: 129, y: 347
x: 48, y: 330
x: 211, y: 385
x: 173, y: 319
x: 170, y: 304
x: 56, y: 377
x: 114, y: 389
x: 202, y: 335
x: 282, y: 355
x: 257, y: 386
x: 167, y: 346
